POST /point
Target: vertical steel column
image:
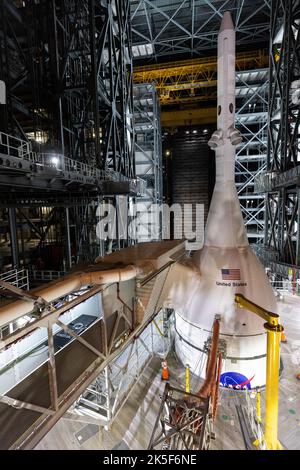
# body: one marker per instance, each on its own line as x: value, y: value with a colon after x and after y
x: 283, y: 137
x: 108, y: 394
x: 94, y: 83
x: 68, y: 238
x: 272, y: 385
x: 281, y: 220
x: 258, y: 406
x: 251, y: 120
x: 57, y: 74
x: 4, y: 66
x: 298, y: 231
x: 52, y: 369
x: 148, y: 159
x: 14, y: 237
x: 274, y: 330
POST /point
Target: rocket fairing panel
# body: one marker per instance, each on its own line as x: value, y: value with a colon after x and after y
x: 193, y: 337
x: 205, y: 288
x: 197, y: 295
x: 225, y: 225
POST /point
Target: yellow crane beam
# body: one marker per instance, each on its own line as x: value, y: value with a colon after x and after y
x: 192, y: 97
x: 182, y: 81
x: 274, y: 330
x: 188, y: 117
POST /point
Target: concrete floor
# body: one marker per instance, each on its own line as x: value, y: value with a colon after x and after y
x: 134, y: 424
x: 132, y: 428
x: 289, y: 405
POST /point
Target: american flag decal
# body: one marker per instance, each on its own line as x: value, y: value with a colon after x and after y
x: 231, y: 274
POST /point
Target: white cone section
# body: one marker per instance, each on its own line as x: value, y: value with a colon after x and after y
x: 226, y: 265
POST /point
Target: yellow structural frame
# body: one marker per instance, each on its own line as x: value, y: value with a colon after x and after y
x: 274, y: 330
x: 173, y: 79
x: 188, y: 117
x: 187, y: 379
x: 258, y: 407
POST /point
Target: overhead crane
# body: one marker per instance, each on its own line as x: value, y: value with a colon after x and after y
x: 193, y: 80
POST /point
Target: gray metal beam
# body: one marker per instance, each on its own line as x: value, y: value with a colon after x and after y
x: 14, y: 237
x: 68, y: 238
x: 195, y: 23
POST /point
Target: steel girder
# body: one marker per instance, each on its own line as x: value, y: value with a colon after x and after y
x: 67, y: 69
x: 148, y: 159
x: 192, y: 80
x: 19, y: 69
x: 96, y: 73
x: 284, y: 72
x: 184, y: 422
x: 104, y: 399
x: 282, y: 190
x: 191, y: 26
x: 251, y: 120
x: 92, y: 41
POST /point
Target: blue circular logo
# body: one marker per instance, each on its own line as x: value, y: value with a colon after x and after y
x: 235, y: 380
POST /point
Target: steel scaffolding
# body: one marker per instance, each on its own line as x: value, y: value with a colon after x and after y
x: 148, y: 160
x: 251, y: 156
x: 104, y: 398
x: 164, y: 28
x: 77, y: 78
x: 280, y: 182
x: 66, y: 66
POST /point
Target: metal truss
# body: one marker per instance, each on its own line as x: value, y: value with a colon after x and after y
x: 106, y: 349
x: 284, y: 86
x: 37, y: 222
x: 67, y: 65
x: 280, y: 182
x: 17, y: 277
x: 251, y: 119
x: 23, y: 168
x: 163, y: 28
x: 148, y: 160
x: 183, y: 422
x: 103, y: 399
x: 96, y: 78
x: 279, y: 271
x: 88, y: 246
x: 185, y: 419
x: 192, y: 80
x: 196, y: 80
x: 76, y: 78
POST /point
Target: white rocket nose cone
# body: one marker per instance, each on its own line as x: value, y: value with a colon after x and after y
x: 226, y: 22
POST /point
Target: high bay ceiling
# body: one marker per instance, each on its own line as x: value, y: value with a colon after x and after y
x: 167, y: 30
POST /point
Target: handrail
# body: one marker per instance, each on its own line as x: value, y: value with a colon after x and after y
x: 17, y: 277
x: 18, y: 148
x: 15, y: 146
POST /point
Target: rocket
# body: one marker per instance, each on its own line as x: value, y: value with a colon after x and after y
x: 203, y: 286
x: 226, y: 137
